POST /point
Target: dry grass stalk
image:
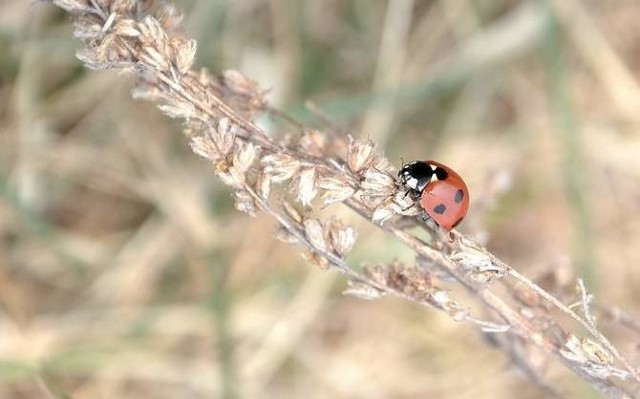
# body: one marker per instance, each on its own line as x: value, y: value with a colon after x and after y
x: 321, y: 170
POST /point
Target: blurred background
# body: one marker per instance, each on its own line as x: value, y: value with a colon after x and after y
x: 125, y: 271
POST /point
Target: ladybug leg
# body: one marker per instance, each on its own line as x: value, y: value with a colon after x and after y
x: 445, y: 237
x: 408, y: 207
x: 406, y: 193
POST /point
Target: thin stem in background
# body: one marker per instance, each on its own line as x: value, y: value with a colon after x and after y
x: 573, y: 167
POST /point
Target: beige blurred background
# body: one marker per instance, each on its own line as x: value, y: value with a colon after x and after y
x: 125, y: 271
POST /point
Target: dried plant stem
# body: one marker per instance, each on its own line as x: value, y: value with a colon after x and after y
x: 583, y: 321
x: 318, y: 166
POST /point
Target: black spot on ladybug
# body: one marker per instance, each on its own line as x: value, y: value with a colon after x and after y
x: 458, y: 196
x: 441, y: 173
x: 440, y: 209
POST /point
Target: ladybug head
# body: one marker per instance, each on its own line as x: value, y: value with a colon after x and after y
x: 415, y: 175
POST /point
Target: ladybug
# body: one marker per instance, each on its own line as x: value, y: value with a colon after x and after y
x: 442, y: 193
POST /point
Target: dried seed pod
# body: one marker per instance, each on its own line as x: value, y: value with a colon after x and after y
x: 244, y: 158
x: 71, y: 6
x: 410, y: 281
x: 281, y: 167
x: 126, y: 28
x: 314, y: 231
x: 359, y: 154
x: 185, y: 55
x: 122, y: 6
x: 263, y: 185
x: 443, y: 300
x: 479, y: 266
x: 378, y: 187
x: 317, y: 260
x: 307, y: 188
x: 180, y: 110
x: 336, y: 189
x: 292, y: 212
x: 377, y: 273
x: 245, y: 203
x: 385, y: 212
x: 342, y: 238
x: 362, y: 291
x: 205, y: 147
x: 224, y: 136
x: 230, y: 176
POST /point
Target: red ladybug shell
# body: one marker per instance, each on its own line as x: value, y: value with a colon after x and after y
x: 445, y: 200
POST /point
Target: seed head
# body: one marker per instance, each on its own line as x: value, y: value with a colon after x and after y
x: 307, y: 188
x: 359, y: 154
